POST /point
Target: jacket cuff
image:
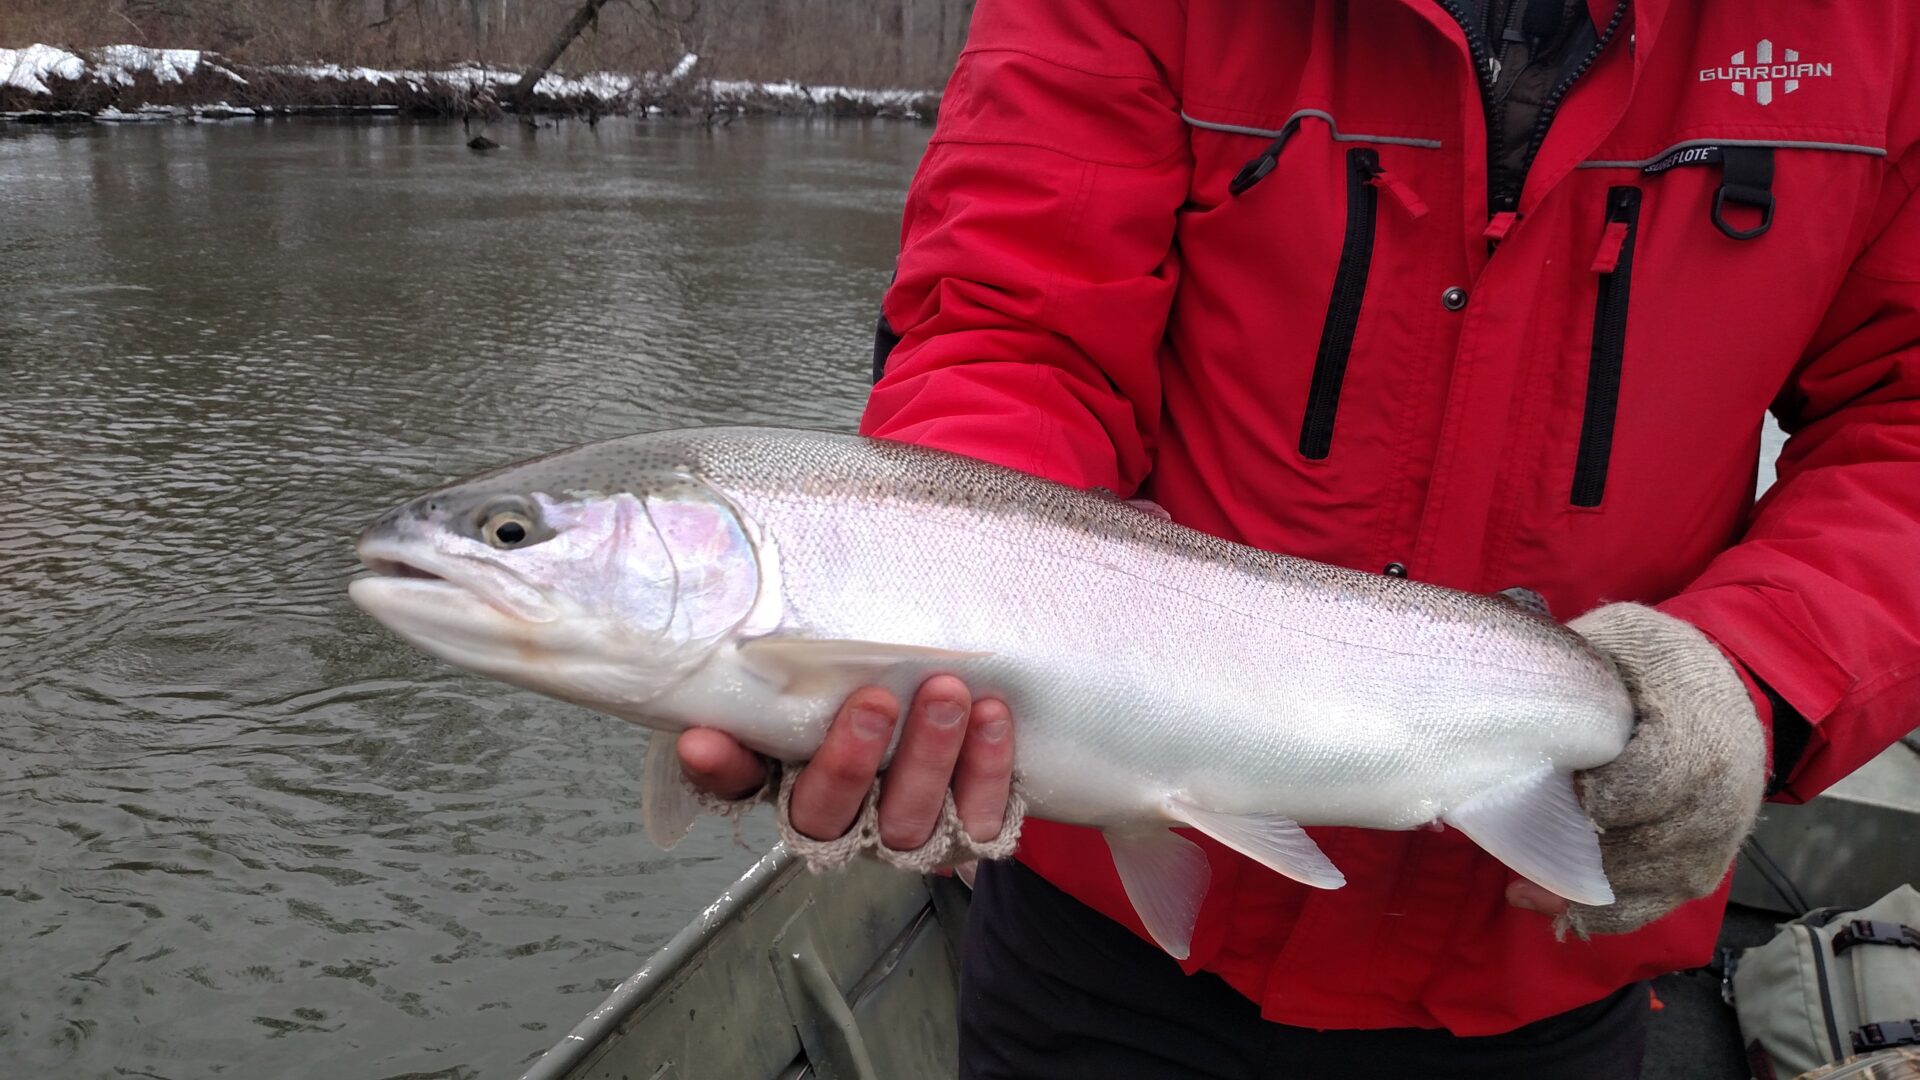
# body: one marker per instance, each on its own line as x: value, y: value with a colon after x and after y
x: 1789, y: 732
x: 1762, y: 704
x: 1768, y: 645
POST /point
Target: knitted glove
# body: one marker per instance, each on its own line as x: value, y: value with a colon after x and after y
x: 1675, y: 805
x: 950, y: 845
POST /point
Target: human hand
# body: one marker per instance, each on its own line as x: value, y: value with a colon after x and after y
x: 951, y: 744
x: 1675, y: 805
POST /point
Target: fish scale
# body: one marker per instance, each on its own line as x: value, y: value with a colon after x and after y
x: 749, y: 578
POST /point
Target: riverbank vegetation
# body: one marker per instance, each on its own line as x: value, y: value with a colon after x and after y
x: 463, y: 57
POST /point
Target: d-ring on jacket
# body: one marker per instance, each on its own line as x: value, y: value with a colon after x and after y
x: 1357, y: 359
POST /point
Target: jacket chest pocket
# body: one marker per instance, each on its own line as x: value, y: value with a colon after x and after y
x: 1607, y: 353
x: 1711, y: 269
x: 1343, y: 306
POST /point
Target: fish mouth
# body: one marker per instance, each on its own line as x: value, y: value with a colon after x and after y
x: 386, y: 559
x: 397, y: 567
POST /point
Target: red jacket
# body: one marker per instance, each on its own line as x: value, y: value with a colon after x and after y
x: 1080, y: 295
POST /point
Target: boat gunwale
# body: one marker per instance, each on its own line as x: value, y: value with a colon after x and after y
x: 658, y: 972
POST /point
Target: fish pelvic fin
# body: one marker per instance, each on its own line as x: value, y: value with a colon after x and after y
x: 1535, y: 824
x: 806, y: 666
x: 667, y: 808
x: 1275, y: 842
x: 1166, y: 876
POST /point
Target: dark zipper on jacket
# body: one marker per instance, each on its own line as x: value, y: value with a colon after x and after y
x: 1343, y: 309
x: 1559, y: 94
x: 1477, y: 47
x: 1608, y: 350
x: 1481, y: 53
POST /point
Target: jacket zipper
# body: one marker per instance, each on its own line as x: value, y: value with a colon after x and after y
x: 1485, y: 68
x: 1538, y: 138
x: 1477, y: 45
x: 1343, y: 310
x: 1609, y: 349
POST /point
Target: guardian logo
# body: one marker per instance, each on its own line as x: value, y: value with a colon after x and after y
x: 1763, y: 71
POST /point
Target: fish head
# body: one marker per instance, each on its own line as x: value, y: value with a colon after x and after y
x: 602, y: 598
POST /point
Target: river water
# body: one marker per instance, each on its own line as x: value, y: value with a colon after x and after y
x: 242, y: 831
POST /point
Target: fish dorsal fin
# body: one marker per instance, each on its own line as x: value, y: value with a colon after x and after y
x: 1165, y: 875
x: 1535, y: 824
x: 1150, y: 508
x: 1526, y: 600
x: 667, y: 808
x: 807, y: 666
x: 1275, y: 842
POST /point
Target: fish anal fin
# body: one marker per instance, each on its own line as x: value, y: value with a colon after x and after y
x: 806, y: 666
x: 1535, y: 824
x: 1275, y: 842
x: 667, y: 808
x: 1165, y: 875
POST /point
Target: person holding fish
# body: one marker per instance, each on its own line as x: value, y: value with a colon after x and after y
x: 1481, y: 294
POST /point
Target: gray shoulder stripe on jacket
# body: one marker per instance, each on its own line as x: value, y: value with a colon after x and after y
x: 1315, y: 114
x: 1781, y: 144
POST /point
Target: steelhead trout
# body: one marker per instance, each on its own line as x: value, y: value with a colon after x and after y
x: 748, y: 579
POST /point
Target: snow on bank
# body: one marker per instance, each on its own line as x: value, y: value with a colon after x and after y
x: 29, y: 68
x: 609, y: 87
x: 119, y: 63
x: 603, y: 86
x: 46, y: 71
x: 724, y: 89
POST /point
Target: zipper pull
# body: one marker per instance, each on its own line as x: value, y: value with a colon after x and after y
x: 1500, y: 225
x: 1257, y: 169
x: 1402, y: 193
x: 1614, y: 240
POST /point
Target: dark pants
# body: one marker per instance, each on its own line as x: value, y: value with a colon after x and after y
x: 1052, y: 990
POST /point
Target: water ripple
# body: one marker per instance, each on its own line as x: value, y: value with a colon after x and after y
x: 245, y: 834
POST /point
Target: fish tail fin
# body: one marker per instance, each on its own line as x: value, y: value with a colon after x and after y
x: 1536, y: 825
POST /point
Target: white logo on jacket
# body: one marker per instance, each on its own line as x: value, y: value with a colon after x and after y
x: 1763, y: 71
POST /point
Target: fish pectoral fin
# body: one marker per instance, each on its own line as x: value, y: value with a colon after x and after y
x: 811, y: 665
x: 1165, y: 875
x: 1536, y: 825
x: 1275, y: 842
x: 667, y: 808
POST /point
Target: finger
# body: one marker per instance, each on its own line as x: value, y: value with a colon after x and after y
x: 984, y: 775
x: 828, y: 794
x: 717, y: 765
x: 1530, y: 897
x: 922, y: 768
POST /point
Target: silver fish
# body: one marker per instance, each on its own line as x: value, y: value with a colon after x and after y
x: 748, y: 578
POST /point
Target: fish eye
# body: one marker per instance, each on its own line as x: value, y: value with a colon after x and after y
x: 507, y: 529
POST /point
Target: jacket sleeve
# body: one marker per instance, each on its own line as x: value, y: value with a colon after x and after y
x: 1035, y: 273
x: 1820, y: 600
